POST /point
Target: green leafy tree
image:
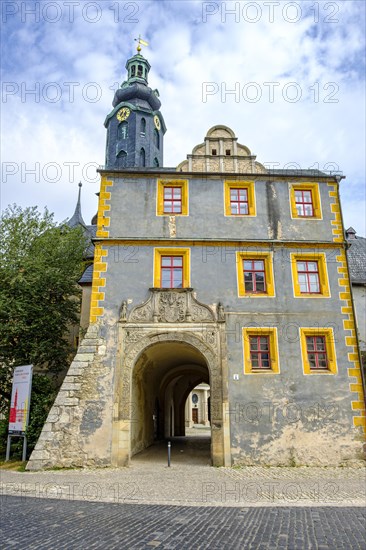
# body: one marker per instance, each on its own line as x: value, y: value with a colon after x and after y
x: 40, y: 263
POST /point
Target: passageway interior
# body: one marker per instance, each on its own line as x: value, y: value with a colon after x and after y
x: 163, y: 378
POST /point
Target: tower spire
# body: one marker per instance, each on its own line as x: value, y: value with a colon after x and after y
x: 77, y: 218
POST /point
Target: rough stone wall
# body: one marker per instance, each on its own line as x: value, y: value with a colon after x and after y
x: 81, y: 409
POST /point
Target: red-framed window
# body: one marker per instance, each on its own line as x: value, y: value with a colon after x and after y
x: 173, y: 200
x: 304, y: 203
x: 254, y: 276
x: 308, y: 276
x: 317, y: 352
x: 239, y: 201
x: 260, y: 352
x: 172, y: 271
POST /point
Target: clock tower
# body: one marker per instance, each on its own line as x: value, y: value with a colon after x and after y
x: 135, y: 126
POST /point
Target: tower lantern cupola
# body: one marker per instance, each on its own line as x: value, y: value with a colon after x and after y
x: 135, y: 126
x: 138, y: 69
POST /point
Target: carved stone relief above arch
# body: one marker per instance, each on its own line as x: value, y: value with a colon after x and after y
x: 172, y: 306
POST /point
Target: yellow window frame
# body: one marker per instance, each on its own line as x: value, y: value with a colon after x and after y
x: 184, y: 252
x: 329, y: 345
x: 273, y: 349
x: 306, y: 186
x: 319, y: 257
x: 183, y: 184
x: 268, y: 267
x: 249, y: 185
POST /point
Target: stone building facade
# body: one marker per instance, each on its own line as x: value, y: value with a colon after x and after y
x: 217, y: 272
x: 197, y: 408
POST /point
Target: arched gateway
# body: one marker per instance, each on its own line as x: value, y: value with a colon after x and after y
x: 126, y: 388
x: 169, y: 344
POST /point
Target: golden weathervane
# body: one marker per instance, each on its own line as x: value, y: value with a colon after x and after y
x: 140, y: 43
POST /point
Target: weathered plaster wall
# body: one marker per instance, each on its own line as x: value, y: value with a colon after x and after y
x: 301, y: 418
x: 291, y: 418
x: 206, y: 211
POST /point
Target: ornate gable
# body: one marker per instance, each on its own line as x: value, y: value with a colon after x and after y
x: 220, y: 152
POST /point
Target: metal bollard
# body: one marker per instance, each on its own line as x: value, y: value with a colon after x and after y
x: 169, y: 449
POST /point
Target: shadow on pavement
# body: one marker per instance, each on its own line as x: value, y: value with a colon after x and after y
x: 184, y: 450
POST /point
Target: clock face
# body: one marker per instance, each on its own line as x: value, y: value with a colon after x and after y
x: 157, y: 122
x: 123, y: 113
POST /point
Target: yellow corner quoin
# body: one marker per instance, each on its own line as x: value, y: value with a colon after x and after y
x: 273, y: 345
x: 330, y: 349
x: 349, y: 325
x: 319, y: 257
x: 267, y: 257
x: 337, y: 225
x: 184, y: 252
x: 98, y: 284
x: 161, y: 184
x: 232, y: 184
x: 314, y: 188
x: 104, y: 207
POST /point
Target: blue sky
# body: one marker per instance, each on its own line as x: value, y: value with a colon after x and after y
x: 297, y: 69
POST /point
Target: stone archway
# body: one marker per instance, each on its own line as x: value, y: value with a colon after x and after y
x: 203, y: 338
x: 176, y: 379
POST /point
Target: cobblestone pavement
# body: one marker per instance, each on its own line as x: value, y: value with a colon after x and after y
x: 56, y: 524
x: 194, y: 485
x: 188, y: 505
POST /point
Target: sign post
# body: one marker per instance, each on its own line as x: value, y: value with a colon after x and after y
x: 19, y: 407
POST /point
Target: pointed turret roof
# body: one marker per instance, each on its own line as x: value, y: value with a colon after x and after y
x: 77, y: 218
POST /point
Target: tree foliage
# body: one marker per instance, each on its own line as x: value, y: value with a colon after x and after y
x: 40, y: 263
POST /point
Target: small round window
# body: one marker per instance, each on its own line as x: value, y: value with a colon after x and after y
x: 195, y: 398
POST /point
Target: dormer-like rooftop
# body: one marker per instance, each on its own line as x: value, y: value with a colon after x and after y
x: 221, y: 152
